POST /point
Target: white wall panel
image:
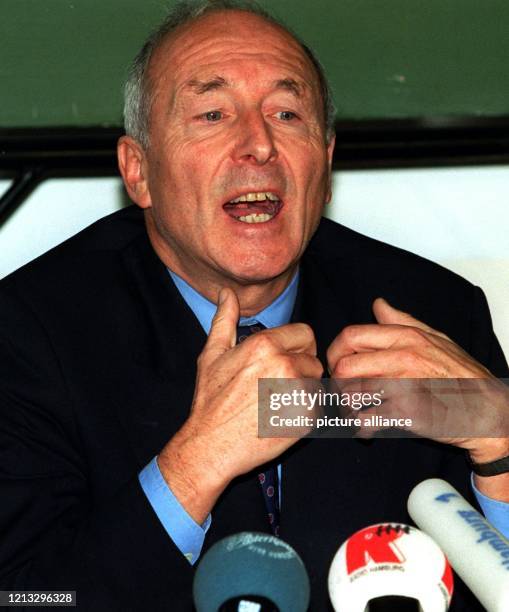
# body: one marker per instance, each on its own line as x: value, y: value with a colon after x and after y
x: 54, y: 211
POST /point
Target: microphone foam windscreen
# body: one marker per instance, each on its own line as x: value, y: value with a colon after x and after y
x: 251, y: 563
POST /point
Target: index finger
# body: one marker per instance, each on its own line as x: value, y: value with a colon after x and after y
x: 372, y: 337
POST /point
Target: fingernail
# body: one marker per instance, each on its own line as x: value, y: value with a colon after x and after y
x: 222, y: 296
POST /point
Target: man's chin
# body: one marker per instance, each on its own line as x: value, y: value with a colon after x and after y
x: 260, y: 274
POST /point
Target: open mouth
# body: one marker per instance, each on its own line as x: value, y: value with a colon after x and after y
x: 254, y: 207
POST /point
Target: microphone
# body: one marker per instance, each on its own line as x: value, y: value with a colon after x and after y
x: 390, y: 567
x: 251, y: 572
x: 477, y: 551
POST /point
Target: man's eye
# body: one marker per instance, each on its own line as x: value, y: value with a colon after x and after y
x: 213, y: 115
x: 286, y: 115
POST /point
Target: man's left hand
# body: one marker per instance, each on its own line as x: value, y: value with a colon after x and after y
x: 400, y: 346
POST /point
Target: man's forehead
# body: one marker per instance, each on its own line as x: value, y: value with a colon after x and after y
x: 228, y: 38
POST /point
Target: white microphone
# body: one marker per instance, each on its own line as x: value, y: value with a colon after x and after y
x: 391, y: 562
x: 476, y: 550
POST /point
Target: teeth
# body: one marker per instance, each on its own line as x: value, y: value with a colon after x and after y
x: 262, y: 218
x: 256, y: 196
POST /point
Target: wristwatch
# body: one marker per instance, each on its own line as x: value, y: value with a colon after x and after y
x: 492, y: 468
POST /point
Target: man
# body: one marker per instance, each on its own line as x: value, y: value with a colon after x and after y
x: 129, y: 439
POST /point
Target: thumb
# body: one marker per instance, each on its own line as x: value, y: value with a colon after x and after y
x: 223, y: 332
x: 388, y: 315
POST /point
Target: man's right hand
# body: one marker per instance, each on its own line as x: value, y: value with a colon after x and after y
x: 219, y: 440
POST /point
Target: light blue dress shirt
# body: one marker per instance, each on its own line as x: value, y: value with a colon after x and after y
x: 188, y: 535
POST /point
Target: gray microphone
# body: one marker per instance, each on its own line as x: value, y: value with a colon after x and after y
x: 251, y: 572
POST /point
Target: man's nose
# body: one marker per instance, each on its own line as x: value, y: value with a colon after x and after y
x: 254, y: 140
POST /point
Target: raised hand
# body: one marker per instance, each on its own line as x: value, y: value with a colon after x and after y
x: 219, y: 439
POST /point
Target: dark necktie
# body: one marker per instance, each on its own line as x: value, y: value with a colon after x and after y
x: 268, y: 479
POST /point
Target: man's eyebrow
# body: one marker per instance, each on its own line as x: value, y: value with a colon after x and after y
x: 201, y: 87
x: 291, y: 85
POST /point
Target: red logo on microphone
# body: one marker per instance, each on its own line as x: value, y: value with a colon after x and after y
x: 375, y: 544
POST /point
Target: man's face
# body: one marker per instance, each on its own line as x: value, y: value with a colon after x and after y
x: 237, y: 114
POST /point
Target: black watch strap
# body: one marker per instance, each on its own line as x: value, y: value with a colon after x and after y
x: 493, y: 468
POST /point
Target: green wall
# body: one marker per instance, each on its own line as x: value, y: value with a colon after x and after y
x: 62, y: 61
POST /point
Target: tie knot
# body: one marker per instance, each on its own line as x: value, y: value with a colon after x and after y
x: 244, y: 331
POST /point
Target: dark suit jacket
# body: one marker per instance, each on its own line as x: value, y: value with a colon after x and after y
x: 98, y: 354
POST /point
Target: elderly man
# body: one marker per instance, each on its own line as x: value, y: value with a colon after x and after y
x: 129, y: 439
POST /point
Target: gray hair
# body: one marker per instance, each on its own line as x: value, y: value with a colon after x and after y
x: 138, y: 92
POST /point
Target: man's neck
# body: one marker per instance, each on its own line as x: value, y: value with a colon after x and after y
x: 253, y: 295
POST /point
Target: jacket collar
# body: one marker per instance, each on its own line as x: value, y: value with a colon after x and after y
x: 175, y: 337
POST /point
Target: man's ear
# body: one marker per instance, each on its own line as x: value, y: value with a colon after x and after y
x: 330, y: 153
x: 132, y: 166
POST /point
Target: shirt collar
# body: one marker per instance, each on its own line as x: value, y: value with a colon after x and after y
x: 275, y: 314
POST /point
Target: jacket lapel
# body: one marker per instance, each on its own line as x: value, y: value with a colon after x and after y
x: 164, y: 341
x: 167, y: 340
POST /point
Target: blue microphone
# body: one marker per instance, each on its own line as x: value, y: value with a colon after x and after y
x: 251, y: 572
